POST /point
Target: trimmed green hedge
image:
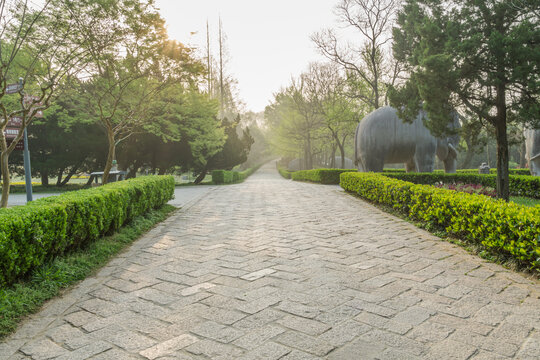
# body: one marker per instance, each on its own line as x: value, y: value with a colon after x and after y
x: 45, y: 228
x: 520, y: 185
x: 230, y: 177
x: 503, y: 227
x: 494, y: 171
x: 323, y: 176
x: 470, y: 171
x: 285, y: 173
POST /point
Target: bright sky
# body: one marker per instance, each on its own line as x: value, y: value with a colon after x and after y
x: 268, y: 40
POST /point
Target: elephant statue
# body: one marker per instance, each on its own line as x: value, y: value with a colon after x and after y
x: 337, y: 163
x: 532, y: 150
x: 383, y: 138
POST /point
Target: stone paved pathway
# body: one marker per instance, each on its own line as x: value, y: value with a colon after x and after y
x: 274, y: 269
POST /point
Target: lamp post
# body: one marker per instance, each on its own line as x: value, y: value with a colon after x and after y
x: 26, y: 159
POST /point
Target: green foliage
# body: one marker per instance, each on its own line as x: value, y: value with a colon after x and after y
x: 48, y: 279
x: 322, y: 176
x: 285, y: 173
x: 32, y: 234
x: 525, y: 201
x: 470, y: 171
x: 480, y: 56
x: 504, y: 228
x: 231, y: 177
x: 236, y: 148
x: 520, y: 185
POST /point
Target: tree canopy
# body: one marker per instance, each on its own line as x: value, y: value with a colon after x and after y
x: 479, y: 56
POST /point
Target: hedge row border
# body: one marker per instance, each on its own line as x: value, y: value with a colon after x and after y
x: 504, y: 228
x: 32, y: 234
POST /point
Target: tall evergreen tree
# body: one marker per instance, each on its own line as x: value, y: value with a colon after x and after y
x: 482, y: 56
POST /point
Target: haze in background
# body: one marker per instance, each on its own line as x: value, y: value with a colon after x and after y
x: 268, y: 40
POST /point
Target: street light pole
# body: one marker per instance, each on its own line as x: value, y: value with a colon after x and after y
x: 27, y: 168
x: 26, y: 158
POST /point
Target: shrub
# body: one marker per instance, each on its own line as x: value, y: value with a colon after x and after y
x: 229, y: 177
x: 505, y: 228
x: 323, y: 176
x: 285, y: 173
x: 520, y: 185
x: 494, y: 171
x: 469, y: 189
x: 45, y: 228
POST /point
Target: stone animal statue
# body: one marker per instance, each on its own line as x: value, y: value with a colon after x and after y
x: 383, y: 138
x: 532, y: 150
x: 337, y: 163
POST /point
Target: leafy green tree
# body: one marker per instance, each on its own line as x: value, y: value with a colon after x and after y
x: 483, y: 56
x: 60, y: 147
x: 125, y: 78
x: 185, y: 132
x: 38, y: 50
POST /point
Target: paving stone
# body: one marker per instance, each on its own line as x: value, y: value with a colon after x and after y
x: 196, y: 288
x: 450, y: 350
x: 222, y: 316
x: 305, y: 343
x: 358, y: 349
x: 299, y: 355
x: 257, y: 337
x: 43, y: 349
x: 214, y: 350
x: 218, y: 332
x: 86, y: 351
x: 530, y: 349
x: 69, y: 336
x: 298, y: 309
x: 288, y: 270
x: 267, y: 351
x: 169, y: 346
x: 414, y: 315
x: 125, y: 339
x: 115, y: 354
x: 260, y: 319
x: 342, y: 333
x: 258, y: 274
x: 308, y: 326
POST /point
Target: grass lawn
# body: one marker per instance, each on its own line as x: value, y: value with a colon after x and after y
x: 45, y: 282
x: 525, y: 200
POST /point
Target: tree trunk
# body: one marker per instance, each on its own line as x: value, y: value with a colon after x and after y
x: 333, y: 158
x: 44, y: 178
x: 110, y: 157
x: 70, y: 175
x: 503, y: 186
x: 59, y: 177
x: 4, y: 162
x: 309, y: 157
x: 342, y: 151
x: 201, y: 176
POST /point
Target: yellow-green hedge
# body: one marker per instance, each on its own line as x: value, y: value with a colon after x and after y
x: 322, y: 176
x: 520, y: 185
x: 230, y: 177
x: 32, y: 234
x: 505, y: 228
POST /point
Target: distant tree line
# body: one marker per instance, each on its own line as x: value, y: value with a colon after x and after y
x: 480, y: 58
x: 112, y: 86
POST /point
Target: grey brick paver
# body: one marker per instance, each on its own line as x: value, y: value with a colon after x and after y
x: 275, y: 269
